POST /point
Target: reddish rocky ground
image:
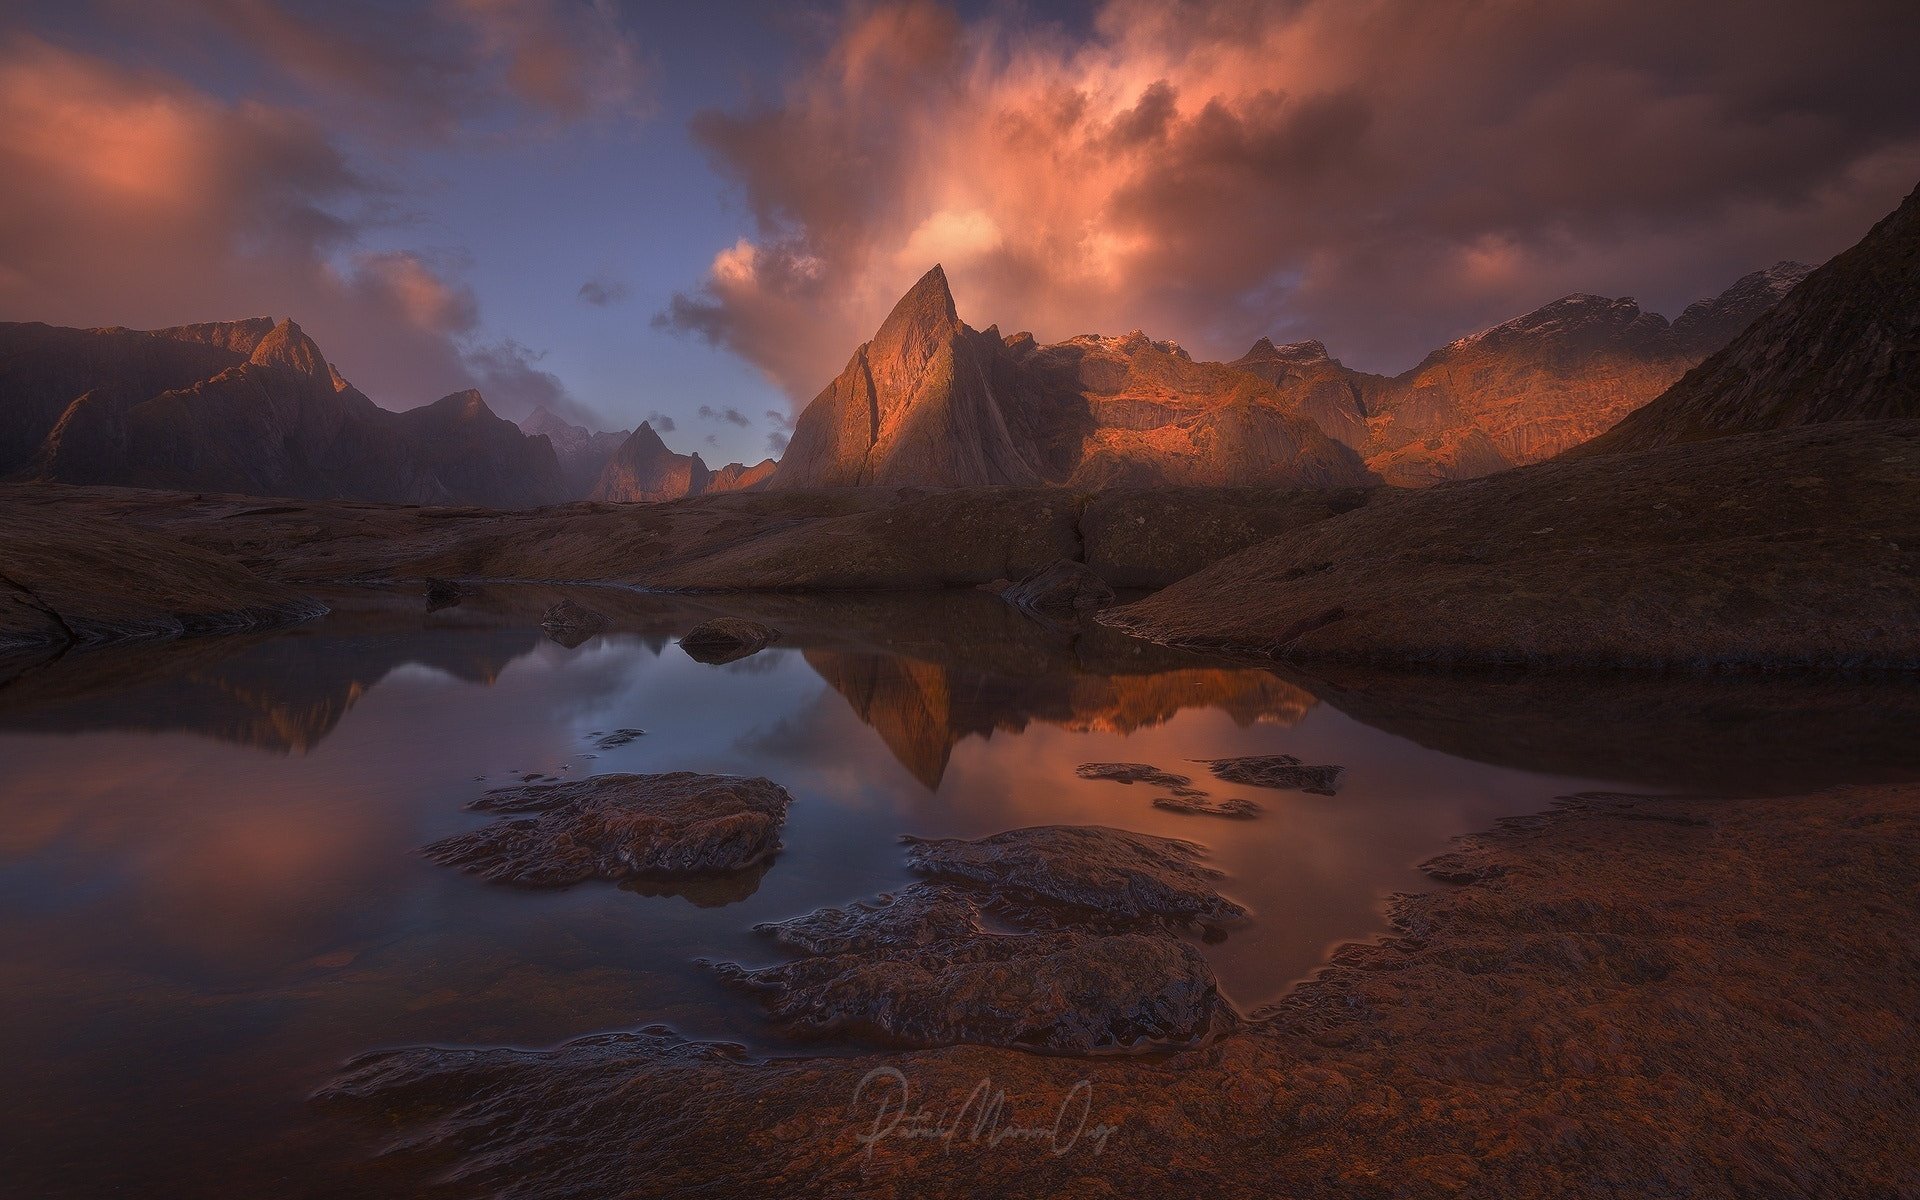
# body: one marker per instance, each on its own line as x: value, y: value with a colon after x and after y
x: 1628, y: 996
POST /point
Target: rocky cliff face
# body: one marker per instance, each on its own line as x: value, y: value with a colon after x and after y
x: 932, y: 401
x: 583, y: 453
x: 737, y: 477
x: 644, y: 470
x: 1844, y: 346
x: 251, y: 407
x: 1534, y: 386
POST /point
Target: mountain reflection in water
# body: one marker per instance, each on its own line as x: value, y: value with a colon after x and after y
x: 210, y: 891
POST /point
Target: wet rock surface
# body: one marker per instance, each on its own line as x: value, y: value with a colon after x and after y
x: 616, y: 739
x: 570, y: 623
x: 1619, y: 1006
x: 1204, y: 806
x: 919, y: 968
x: 726, y: 639
x: 1061, y: 590
x: 1282, y: 771
x: 1179, y: 785
x: 1113, y: 872
x: 621, y: 827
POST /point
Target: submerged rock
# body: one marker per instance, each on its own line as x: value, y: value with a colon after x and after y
x: 1108, y: 871
x: 1065, y: 588
x: 617, y: 739
x: 918, y: 968
x: 1179, y: 785
x: 1282, y: 771
x: 621, y: 827
x: 571, y: 624
x: 443, y: 593
x: 1202, y: 806
x: 726, y: 639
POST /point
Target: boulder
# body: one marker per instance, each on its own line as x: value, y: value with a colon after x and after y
x: 1063, y: 589
x: 1112, y: 872
x: 1282, y: 771
x: 621, y: 827
x: 571, y: 624
x: 725, y: 639
x: 919, y: 969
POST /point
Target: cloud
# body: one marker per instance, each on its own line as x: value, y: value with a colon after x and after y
x: 731, y: 416
x: 1385, y: 175
x: 426, y: 66
x: 137, y: 199
x: 778, y: 419
x: 602, y: 292
x: 661, y: 422
x: 777, y: 442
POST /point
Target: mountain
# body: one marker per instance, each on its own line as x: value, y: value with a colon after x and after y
x: 644, y: 470
x: 932, y: 401
x: 1843, y: 346
x: 250, y: 407
x: 1526, y: 389
x: 583, y: 453
x: 737, y: 477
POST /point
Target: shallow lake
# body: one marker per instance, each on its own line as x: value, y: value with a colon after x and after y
x: 211, y: 892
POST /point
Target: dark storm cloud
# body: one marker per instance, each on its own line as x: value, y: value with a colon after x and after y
x: 1384, y: 176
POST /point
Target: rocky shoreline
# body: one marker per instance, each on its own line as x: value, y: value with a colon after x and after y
x: 1629, y: 995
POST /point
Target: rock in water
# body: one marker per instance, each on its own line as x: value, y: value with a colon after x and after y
x: 443, y: 593
x: 918, y: 968
x: 1065, y: 588
x: 1282, y: 771
x: 1179, y: 785
x: 571, y: 624
x: 1108, y: 871
x: 725, y: 639
x: 1201, y: 806
x: 621, y: 827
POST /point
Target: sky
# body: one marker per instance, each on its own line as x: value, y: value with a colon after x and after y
x: 693, y: 214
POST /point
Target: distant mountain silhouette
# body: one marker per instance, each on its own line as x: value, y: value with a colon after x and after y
x: 1843, y: 346
x: 251, y: 407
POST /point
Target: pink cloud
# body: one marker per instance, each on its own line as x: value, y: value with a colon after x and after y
x: 1382, y: 175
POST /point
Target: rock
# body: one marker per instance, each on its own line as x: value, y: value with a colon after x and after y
x: 571, y: 624
x: 1063, y: 589
x: 617, y: 739
x: 1179, y: 785
x: 443, y: 593
x: 1199, y: 806
x: 725, y: 639
x: 1282, y: 771
x: 1112, y: 872
x: 919, y: 969
x: 621, y: 827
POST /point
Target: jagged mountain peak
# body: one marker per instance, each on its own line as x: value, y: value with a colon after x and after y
x: 288, y: 346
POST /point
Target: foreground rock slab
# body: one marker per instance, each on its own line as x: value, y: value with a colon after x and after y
x: 1202, y: 806
x: 1179, y: 785
x: 1621, y: 1006
x: 919, y: 969
x: 726, y: 639
x: 621, y: 827
x: 1113, y: 872
x: 1281, y: 771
